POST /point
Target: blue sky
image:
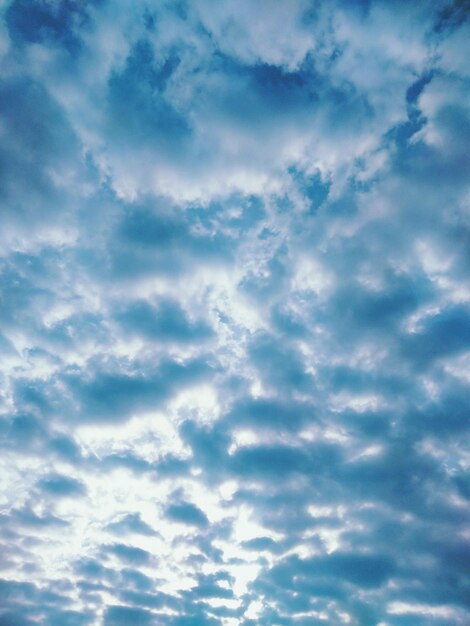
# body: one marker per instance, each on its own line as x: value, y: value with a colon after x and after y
x: 234, y: 313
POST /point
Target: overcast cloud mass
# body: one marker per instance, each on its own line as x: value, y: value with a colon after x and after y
x: 234, y: 313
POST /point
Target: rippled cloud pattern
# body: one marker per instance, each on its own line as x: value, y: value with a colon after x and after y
x: 234, y: 313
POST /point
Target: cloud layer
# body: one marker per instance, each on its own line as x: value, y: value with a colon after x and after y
x: 234, y: 313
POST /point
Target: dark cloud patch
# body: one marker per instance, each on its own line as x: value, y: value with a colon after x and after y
x: 261, y: 544
x: 13, y: 618
x: 261, y: 286
x: 312, y: 186
x: 149, y: 600
x: 57, y: 485
x: 130, y: 554
x: 66, y: 448
x: 451, y: 15
x: 137, y: 580
x: 93, y: 570
x: 405, y: 131
x: 38, y: 604
x: 14, y: 590
x: 283, y: 506
x: 165, y: 322
x: 359, y: 569
x: 209, y: 446
x: 113, y: 396
x: 462, y: 483
x: 279, y: 366
x: 38, y: 143
x: 26, y: 518
x: 22, y: 431
x: 42, y: 21
x: 187, y: 513
x: 131, y: 523
x: 138, y: 110
x: 162, y: 242
x: 261, y: 95
x: 400, y: 476
x: 208, y: 587
x: 275, y: 415
x: 270, y: 462
x: 151, y: 229
x: 69, y: 618
x: 194, y: 617
x: 236, y: 214
x: 416, y: 89
x: 423, y: 163
x: 172, y: 466
x: 282, y: 90
x: 21, y: 295
x: 365, y: 311
x: 300, y: 584
x: 443, y: 334
x: 446, y: 416
x: 122, y: 615
x: 287, y: 323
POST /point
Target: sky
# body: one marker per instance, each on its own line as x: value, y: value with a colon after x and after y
x: 234, y: 313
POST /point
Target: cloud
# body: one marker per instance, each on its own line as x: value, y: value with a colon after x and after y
x: 116, y: 615
x: 166, y: 322
x: 59, y: 486
x: 114, y: 395
x: 130, y: 554
x: 187, y: 513
x: 234, y: 313
x: 131, y: 523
